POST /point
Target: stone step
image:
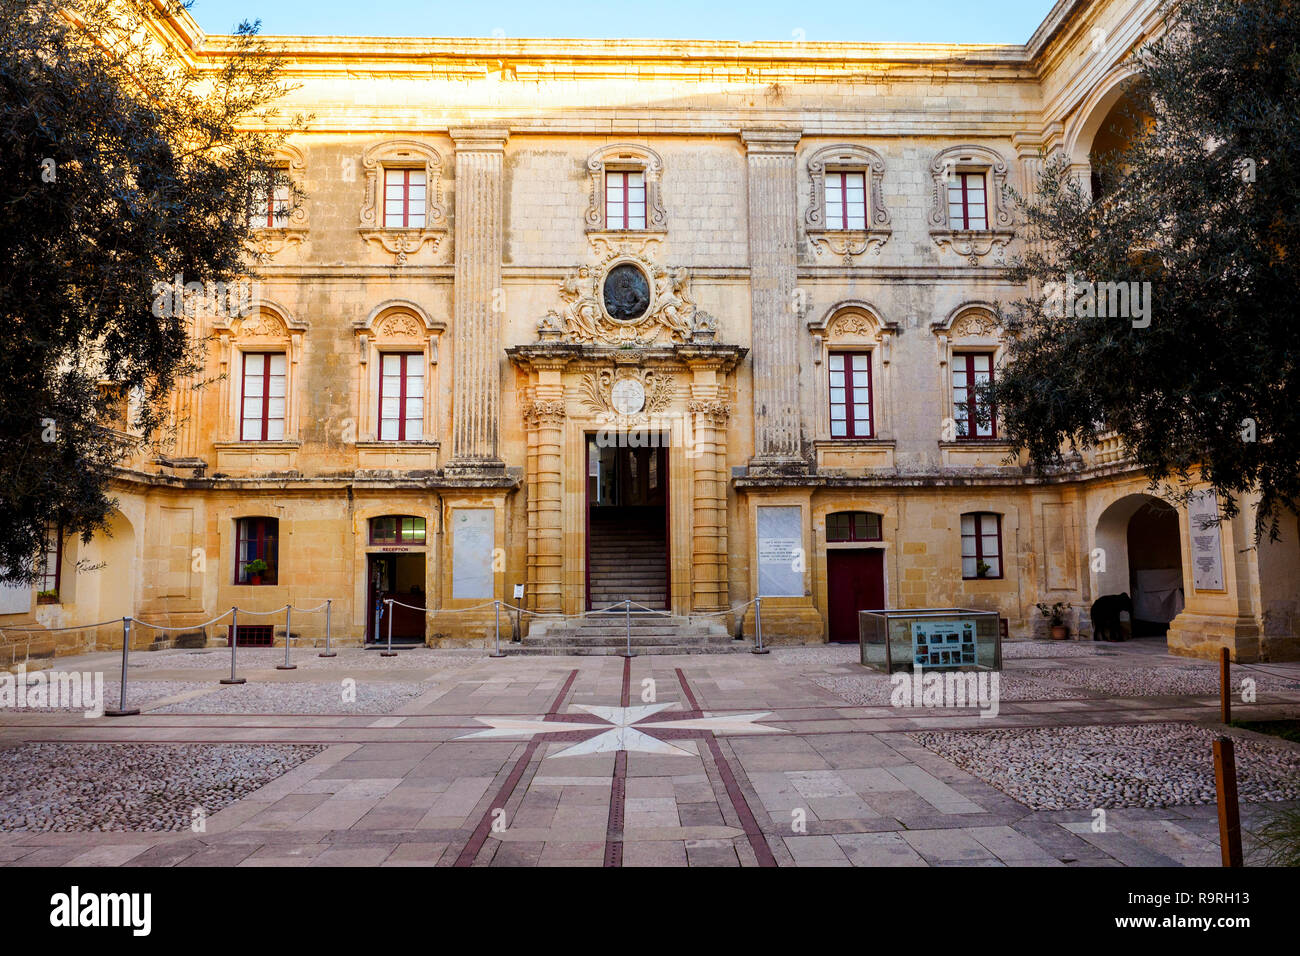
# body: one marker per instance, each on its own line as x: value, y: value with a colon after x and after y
x: 596, y: 650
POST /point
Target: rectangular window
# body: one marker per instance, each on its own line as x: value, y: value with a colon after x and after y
x: 625, y: 200
x: 262, y: 397
x: 49, y: 562
x: 272, y: 207
x: 850, y: 394
x: 397, y: 530
x: 967, y: 208
x: 404, y: 195
x: 401, y: 396
x: 972, y: 372
x: 846, y: 200
x: 853, y: 526
x: 981, y: 545
x: 256, y: 540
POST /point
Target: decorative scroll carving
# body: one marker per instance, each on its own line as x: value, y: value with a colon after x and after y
x: 263, y: 325
x: 974, y: 325
x: 716, y: 412
x: 584, y: 318
x: 400, y: 326
x: 595, y: 390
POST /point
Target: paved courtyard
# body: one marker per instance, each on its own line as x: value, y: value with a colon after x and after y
x: 794, y: 758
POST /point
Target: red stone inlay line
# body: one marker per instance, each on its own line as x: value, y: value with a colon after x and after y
x: 480, y: 835
x: 627, y: 682
x: 747, y: 822
x: 695, y: 710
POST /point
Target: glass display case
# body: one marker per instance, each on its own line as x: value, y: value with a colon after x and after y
x: 930, y: 638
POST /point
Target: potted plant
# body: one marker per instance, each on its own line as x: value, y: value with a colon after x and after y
x: 47, y: 597
x: 1055, y: 614
x: 255, y: 569
x: 982, y: 569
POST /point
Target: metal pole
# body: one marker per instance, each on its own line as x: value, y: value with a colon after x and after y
x: 234, y: 645
x: 123, y: 710
x: 288, y: 635
x: 1225, y: 783
x: 328, y: 652
x: 1225, y: 685
x: 758, y: 628
x: 496, y: 608
x: 390, y: 652
x: 627, y: 620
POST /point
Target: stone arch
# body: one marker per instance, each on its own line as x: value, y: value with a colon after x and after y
x: 1138, y: 551
x: 1091, y: 115
x: 112, y: 577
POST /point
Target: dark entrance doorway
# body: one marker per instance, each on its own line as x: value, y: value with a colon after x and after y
x: 401, y: 578
x: 627, y: 518
x: 855, y: 580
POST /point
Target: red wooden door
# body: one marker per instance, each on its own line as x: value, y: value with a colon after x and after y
x: 856, y: 582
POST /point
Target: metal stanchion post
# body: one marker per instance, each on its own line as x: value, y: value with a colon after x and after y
x: 390, y: 652
x: 123, y: 710
x: 496, y: 607
x: 328, y: 652
x: 758, y: 628
x: 234, y: 646
x: 627, y: 621
x: 288, y: 636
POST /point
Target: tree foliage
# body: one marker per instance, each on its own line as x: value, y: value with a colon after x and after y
x: 123, y: 163
x: 1201, y: 202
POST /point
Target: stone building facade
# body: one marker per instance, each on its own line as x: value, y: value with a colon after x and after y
x: 687, y: 322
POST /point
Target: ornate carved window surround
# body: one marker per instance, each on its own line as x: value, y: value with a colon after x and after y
x: 625, y: 157
x: 263, y: 326
x: 974, y: 245
x: 402, y: 154
x: 397, y: 325
x: 847, y: 243
x: 270, y: 240
x: 854, y: 326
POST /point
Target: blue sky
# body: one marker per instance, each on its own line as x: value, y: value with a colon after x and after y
x: 932, y: 21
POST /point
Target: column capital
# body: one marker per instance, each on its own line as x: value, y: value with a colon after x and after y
x: 479, y: 138
x: 771, y: 139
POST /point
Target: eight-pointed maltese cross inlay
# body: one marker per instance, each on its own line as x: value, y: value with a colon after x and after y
x: 624, y: 728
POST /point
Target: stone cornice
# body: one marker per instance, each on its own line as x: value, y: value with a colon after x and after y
x: 562, y: 354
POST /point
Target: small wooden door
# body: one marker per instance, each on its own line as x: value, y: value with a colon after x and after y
x: 856, y: 582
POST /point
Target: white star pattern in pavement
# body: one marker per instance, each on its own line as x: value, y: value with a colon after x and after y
x: 619, y: 732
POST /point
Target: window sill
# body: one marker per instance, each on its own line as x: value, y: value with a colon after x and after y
x: 849, y: 444
x: 417, y: 445
x: 848, y: 243
x: 288, y: 443
x: 974, y: 244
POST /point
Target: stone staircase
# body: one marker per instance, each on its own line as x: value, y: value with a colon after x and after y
x: 606, y: 633
x: 628, y: 555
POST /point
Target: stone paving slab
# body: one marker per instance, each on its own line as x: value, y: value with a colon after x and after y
x: 501, y: 764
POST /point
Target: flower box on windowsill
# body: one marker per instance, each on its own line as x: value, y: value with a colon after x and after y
x: 47, y: 597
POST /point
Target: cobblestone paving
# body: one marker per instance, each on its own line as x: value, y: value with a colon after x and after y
x: 728, y: 760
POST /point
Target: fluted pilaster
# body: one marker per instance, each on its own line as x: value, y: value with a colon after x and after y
x: 476, y: 382
x: 778, y: 438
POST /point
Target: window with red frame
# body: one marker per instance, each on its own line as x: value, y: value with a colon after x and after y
x: 50, y: 561
x: 257, y: 538
x: 846, y: 200
x: 981, y: 545
x: 401, y: 396
x: 625, y: 199
x: 271, y: 206
x: 852, y: 526
x: 262, y: 397
x: 404, y: 195
x: 972, y: 373
x: 967, y: 202
x: 850, y: 385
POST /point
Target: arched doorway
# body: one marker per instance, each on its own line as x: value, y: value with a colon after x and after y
x: 1139, y: 552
